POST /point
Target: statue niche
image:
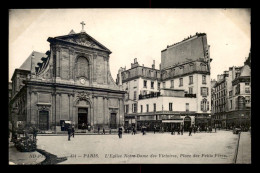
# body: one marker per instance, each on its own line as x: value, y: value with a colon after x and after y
x: 82, y: 67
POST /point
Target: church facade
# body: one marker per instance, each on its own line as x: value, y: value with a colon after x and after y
x: 70, y: 82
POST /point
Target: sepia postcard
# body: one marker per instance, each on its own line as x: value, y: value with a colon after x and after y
x: 129, y: 86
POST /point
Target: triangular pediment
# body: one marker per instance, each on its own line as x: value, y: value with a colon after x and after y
x: 83, y: 39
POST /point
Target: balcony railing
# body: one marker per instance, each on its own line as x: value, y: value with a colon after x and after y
x: 190, y: 95
x: 155, y: 94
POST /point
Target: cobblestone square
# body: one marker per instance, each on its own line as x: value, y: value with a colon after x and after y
x: 202, y: 148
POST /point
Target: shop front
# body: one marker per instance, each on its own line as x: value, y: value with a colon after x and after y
x: 149, y: 124
x: 203, y: 122
x: 170, y: 124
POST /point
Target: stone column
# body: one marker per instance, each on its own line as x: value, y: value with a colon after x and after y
x: 95, y: 110
x: 58, y: 61
x: 58, y: 100
x: 53, y: 111
x: 94, y: 67
x: 70, y: 118
x: 106, y: 111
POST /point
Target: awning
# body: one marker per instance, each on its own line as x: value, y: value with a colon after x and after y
x: 172, y: 121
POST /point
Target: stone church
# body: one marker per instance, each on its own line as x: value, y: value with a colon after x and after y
x: 70, y: 82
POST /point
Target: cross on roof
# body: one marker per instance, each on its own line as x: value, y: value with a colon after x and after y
x: 82, y: 23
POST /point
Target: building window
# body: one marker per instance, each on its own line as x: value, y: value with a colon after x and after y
x: 154, y: 107
x: 204, y: 79
x: 127, y: 96
x: 135, y: 107
x: 187, y: 107
x: 145, y: 84
x: 207, y: 105
x: 247, y: 99
x: 246, y: 83
x: 204, y: 91
x: 152, y: 85
x: 172, y: 83
x: 163, y: 84
x: 181, y: 81
x: 191, y: 79
x: 141, y: 108
x: 127, y: 108
x: 190, y: 90
x: 147, y: 108
x: 230, y: 104
x: 170, y: 106
x: 203, y: 105
x: 238, y: 89
x: 134, y: 95
x: 159, y: 85
x: 247, y: 90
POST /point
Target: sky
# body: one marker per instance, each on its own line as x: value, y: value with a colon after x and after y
x: 134, y: 33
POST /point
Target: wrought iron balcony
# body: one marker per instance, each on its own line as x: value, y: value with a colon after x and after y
x: 155, y: 94
x: 190, y: 95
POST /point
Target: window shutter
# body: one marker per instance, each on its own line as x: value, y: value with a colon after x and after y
x: 201, y: 105
x: 207, y: 91
x: 201, y: 91
x: 208, y: 105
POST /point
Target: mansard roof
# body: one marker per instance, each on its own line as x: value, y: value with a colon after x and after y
x: 82, y: 39
x: 245, y: 71
x: 37, y: 59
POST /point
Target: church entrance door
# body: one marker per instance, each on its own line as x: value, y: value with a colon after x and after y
x: 43, y: 120
x: 82, y: 118
x: 113, y: 121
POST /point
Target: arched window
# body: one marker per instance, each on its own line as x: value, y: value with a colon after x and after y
x: 82, y: 67
x: 203, y: 67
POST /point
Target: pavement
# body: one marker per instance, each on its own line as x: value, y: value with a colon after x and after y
x: 244, y: 149
x: 203, y: 148
x: 23, y: 158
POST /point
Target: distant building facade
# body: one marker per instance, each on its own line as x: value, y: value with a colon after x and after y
x: 70, y: 82
x: 176, y: 94
x: 232, y: 97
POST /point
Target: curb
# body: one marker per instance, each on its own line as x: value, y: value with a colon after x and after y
x: 50, y: 159
x: 236, y: 151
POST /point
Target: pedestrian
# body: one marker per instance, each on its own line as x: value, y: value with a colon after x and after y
x: 104, y: 131
x: 110, y: 130
x: 98, y: 129
x: 215, y: 129
x: 73, y: 130
x: 154, y: 129
x: 133, y: 129
x: 179, y: 130
x: 182, y: 130
x: 88, y: 127
x: 190, y: 131
x: 172, y: 131
x: 69, y: 133
x: 120, y: 132
x: 143, y: 130
x: 34, y: 132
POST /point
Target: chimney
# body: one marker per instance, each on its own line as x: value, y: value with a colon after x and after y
x: 153, y: 66
x: 160, y: 66
x: 135, y: 64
